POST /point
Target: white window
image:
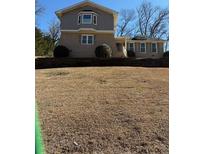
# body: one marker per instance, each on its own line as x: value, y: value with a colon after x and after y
x: 87, y: 39
x: 90, y: 39
x: 131, y: 47
x: 142, y: 47
x: 79, y: 19
x: 87, y: 19
x: 154, y: 47
x: 84, y: 39
x: 94, y: 19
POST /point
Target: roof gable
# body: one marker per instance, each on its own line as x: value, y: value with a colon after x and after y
x: 60, y: 12
x: 84, y: 3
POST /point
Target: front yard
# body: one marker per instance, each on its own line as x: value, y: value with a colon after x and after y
x: 104, y: 109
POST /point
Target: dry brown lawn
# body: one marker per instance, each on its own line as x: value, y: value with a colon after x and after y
x: 104, y: 109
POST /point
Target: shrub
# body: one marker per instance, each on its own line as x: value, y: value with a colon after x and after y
x: 130, y: 53
x: 166, y: 54
x: 103, y: 51
x: 61, y: 51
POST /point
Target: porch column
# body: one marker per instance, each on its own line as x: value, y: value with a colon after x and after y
x: 125, y: 43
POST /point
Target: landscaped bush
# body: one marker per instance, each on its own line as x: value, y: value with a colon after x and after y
x: 166, y: 54
x: 61, y: 51
x: 130, y: 53
x: 103, y: 51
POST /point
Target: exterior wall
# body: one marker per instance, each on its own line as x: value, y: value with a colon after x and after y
x: 73, y: 42
x: 69, y: 20
x: 149, y: 53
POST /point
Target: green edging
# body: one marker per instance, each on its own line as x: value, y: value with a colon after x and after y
x: 39, y: 147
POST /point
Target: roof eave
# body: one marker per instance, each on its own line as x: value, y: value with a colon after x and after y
x: 64, y: 10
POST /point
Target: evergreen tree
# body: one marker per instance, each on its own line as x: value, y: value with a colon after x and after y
x: 44, y: 44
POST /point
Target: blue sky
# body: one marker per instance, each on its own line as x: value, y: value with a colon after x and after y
x: 52, y: 5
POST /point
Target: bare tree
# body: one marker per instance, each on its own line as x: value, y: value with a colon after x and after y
x: 39, y: 9
x: 152, y: 21
x: 54, y: 31
x: 124, y: 27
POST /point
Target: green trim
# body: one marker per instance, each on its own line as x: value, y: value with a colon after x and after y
x: 39, y: 147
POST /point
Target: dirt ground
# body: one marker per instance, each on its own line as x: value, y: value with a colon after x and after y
x: 104, y: 110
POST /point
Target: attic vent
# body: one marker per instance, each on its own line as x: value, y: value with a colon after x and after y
x: 87, y: 10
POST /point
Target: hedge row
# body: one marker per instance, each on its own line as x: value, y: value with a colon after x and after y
x: 41, y: 63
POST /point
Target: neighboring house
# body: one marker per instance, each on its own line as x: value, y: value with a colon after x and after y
x: 144, y: 47
x: 86, y: 25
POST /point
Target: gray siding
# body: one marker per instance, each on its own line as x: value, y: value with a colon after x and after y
x: 72, y: 41
x: 105, y: 21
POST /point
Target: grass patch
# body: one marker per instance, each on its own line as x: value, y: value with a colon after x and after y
x: 104, y: 110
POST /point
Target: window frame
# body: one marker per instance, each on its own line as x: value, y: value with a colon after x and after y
x: 94, y: 17
x: 82, y: 36
x: 92, y: 38
x: 152, y: 47
x: 91, y: 18
x: 133, y: 46
x: 87, y: 35
x: 145, y: 47
x: 79, y: 19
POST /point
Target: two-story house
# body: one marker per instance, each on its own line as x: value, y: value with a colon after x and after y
x: 86, y: 25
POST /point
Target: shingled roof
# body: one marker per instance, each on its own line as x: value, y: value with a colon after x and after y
x: 144, y: 38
